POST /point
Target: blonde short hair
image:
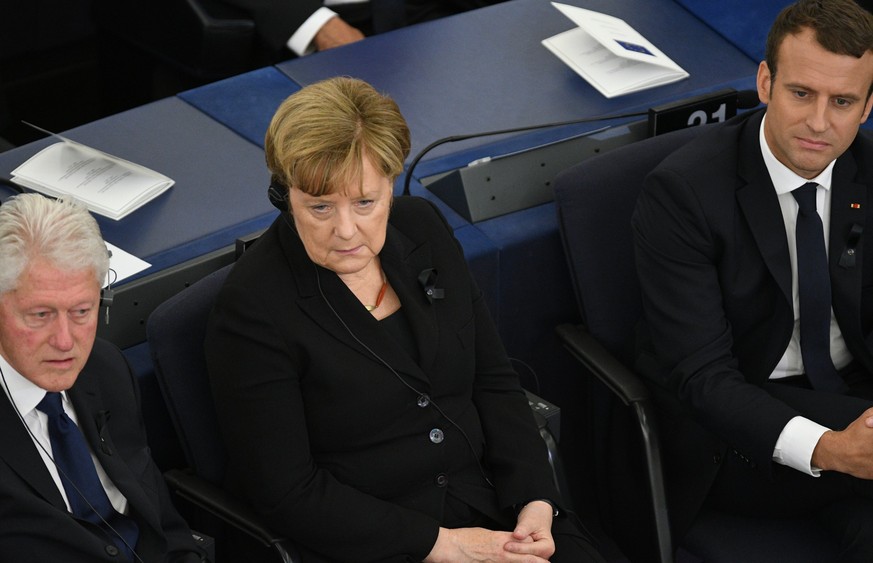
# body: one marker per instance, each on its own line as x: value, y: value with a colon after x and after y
x: 318, y: 137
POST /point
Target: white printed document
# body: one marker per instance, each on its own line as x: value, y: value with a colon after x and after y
x: 610, y: 54
x: 123, y: 264
x: 107, y: 185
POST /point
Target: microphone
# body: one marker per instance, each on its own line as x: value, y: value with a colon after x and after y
x: 427, y: 278
x: 455, y: 138
x: 743, y: 99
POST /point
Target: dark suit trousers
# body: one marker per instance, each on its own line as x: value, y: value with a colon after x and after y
x: 843, y: 504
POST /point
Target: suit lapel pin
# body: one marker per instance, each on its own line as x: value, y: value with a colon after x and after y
x: 855, y: 205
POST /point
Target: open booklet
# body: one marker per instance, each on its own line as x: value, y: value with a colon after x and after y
x: 610, y: 54
x: 106, y: 184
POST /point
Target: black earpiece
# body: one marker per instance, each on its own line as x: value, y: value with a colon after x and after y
x: 106, y: 294
x: 106, y: 297
x: 278, y: 195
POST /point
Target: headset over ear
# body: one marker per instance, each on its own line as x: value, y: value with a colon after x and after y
x: 106, y: 296
x: 278, y: 195
x: 106, y: 293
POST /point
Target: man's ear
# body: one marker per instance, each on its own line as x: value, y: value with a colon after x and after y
x: 764, y: 82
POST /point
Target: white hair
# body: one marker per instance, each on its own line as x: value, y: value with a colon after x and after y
x: 60, y: 231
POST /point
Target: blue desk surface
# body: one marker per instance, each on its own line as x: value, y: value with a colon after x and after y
x: 745, y: 23
x: 245, y: 103
x: 486, y: 70
x: 220, y: 189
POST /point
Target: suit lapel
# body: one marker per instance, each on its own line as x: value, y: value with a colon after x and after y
x: 19, y: 452
x: 845, y: 253
x: 405, y: 263
x: 95, y: 422
x: 760, y: 206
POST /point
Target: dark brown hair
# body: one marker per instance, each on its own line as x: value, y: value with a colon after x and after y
x: 840, y: 26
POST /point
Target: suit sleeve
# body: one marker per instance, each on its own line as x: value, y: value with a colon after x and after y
x: 277, y: 20
x: 678, y: 254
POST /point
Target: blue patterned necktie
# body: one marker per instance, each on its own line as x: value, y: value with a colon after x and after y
x: 814, y: 289
x: 88, y: 500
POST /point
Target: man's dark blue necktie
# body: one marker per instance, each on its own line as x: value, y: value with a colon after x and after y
x: 388, y: 14
x: 814, y: 288
x: 87, y: 497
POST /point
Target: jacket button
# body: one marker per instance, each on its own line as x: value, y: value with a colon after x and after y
x: 437, y: 436
x: 423, y: 400
x: 112, y: 550
x: 441, y: 480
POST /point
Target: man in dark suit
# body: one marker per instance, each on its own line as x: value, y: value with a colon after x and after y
x: 304, y: 26
x: 109, y: 502
x: 753, y: 424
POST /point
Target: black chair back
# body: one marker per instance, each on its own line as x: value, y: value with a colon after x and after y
x: 176, y: 331
x: 595, y: 200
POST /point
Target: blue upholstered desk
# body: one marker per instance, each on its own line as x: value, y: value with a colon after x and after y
x: 220, y: 187
x: 486, y: 70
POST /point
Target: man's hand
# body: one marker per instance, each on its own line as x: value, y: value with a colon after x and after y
x: 336, y: 33
x: 848, y: 451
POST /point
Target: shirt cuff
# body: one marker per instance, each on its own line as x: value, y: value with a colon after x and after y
x: 301, y: 42
x: 796, y: 443
x: 555, y: 510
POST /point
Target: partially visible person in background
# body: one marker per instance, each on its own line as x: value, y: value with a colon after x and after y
x: 306, y: 26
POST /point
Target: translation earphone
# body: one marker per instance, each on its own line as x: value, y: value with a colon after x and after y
x: 278, y: 195
x: 107, y: 295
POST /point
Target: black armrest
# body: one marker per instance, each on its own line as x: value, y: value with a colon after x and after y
x: 630, y: 389
x: 216, y: 501
x: 625, y: 384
